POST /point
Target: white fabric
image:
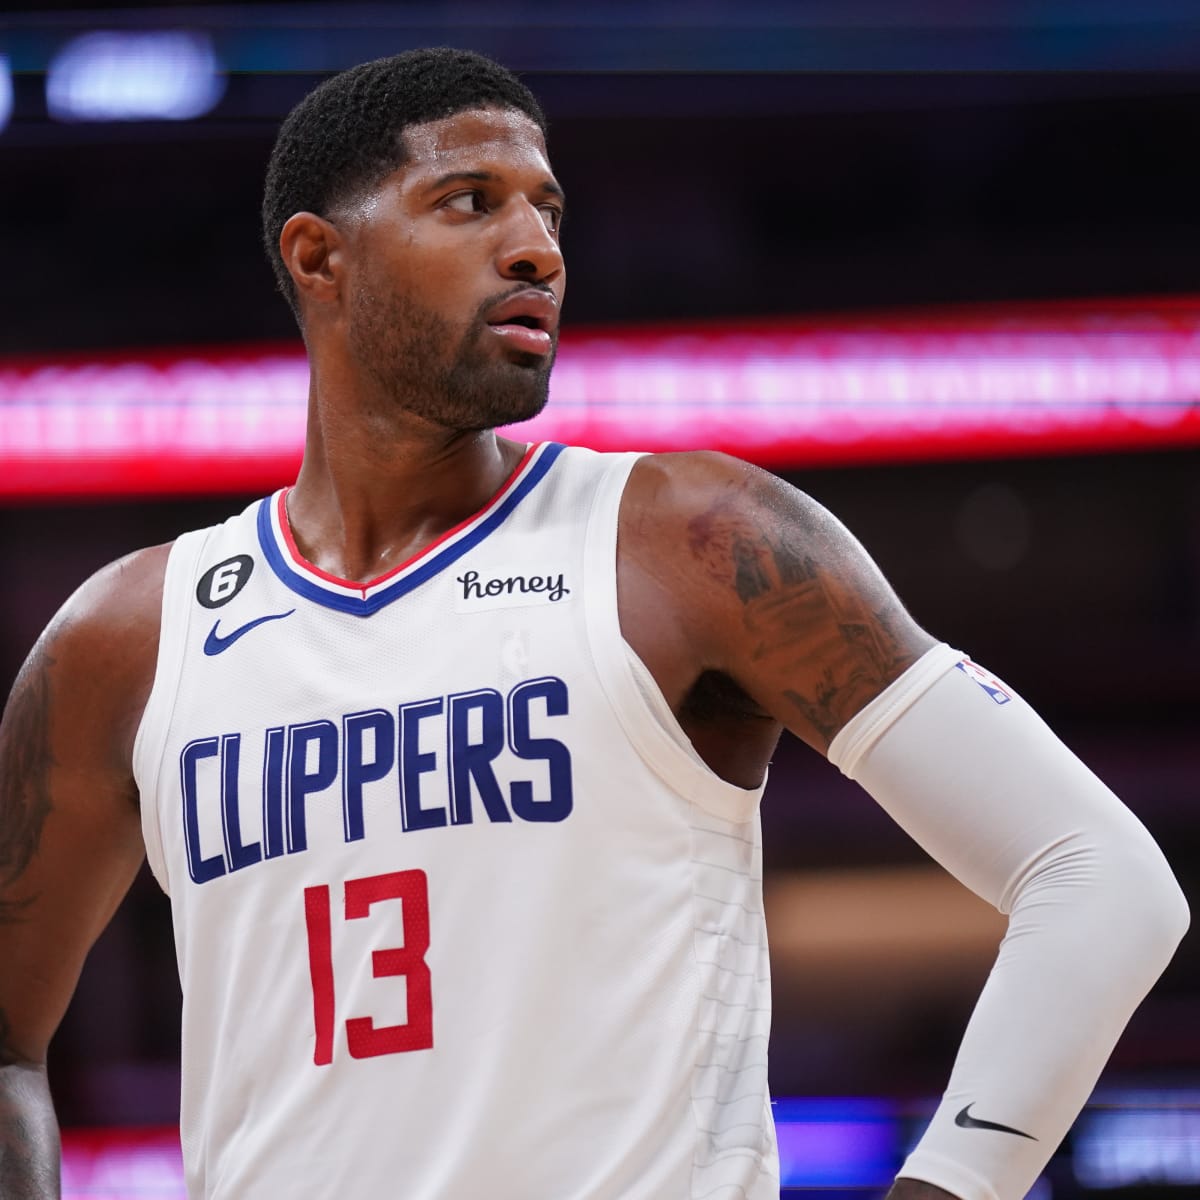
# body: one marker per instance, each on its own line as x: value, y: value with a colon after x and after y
x: 600, y: 991
x: 978, y: 779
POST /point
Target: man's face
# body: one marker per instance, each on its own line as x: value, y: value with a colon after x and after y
x: 455, y: 275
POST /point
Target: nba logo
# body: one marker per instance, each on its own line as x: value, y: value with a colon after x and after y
x: 989, y: 683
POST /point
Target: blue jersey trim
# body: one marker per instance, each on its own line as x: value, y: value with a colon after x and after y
x: 302, y: 585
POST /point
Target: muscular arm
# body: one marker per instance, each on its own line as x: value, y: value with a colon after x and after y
x: 727, y: 569
x: 70, y: 839
x: 773, y: 594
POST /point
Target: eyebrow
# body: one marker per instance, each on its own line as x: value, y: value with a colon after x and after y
x: 548, y: 186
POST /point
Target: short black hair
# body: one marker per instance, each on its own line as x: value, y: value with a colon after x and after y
x: 346, y: 135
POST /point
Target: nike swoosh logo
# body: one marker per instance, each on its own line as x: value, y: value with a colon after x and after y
x: 215, y: 643
x: 965, y: 1121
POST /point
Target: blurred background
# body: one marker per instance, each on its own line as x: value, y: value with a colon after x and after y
x: 935, y: 263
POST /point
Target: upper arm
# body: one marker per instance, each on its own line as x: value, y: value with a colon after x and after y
x: 70, y: 833
x: 762, y: 584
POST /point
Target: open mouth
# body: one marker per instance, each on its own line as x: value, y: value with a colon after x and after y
x: 529, y: 339
x: 526, y: 321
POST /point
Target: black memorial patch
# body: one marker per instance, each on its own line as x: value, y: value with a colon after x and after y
x: 218, y: 585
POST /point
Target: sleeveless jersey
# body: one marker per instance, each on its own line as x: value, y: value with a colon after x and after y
x: 458, y: 910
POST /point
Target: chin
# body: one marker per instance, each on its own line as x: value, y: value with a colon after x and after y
x: 524, y: 409
x: 517, y: 392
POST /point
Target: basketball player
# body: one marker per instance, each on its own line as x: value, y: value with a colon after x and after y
x: 449, y: 755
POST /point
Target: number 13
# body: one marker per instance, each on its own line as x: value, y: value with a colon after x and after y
x: 363, y: 1037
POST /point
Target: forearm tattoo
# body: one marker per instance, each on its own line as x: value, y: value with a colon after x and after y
x: 29, y: 1147
x: 26, y: 760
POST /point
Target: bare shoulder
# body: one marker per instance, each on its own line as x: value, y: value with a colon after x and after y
x: 94, y: 663
x: 765, y: 585
x: 717, y: 498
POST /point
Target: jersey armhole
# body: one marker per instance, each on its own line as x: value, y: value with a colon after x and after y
x: 635, y: 698
x: 149, y: 743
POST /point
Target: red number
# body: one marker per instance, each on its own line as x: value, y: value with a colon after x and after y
x: 364, y: 1038
x: 320, y: 967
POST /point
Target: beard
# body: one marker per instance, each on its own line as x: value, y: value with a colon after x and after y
x: 450, y: 379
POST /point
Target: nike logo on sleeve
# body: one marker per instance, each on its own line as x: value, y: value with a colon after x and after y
x: 215, y: 643
x: 965, y: 1121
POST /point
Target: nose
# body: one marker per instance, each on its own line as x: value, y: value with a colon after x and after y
x: 528, y: 250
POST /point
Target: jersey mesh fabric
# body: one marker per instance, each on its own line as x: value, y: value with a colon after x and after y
x: 483, y: 758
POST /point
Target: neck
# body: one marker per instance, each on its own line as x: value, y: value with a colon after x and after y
x: 375, y: 490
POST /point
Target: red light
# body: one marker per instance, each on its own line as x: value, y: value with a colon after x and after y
x: 989, y: 382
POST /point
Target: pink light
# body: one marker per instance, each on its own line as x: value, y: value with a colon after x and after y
x: 122, y: 1164
x: 988, y: 382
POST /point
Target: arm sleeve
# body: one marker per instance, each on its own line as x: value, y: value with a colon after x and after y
x: 971, y: 772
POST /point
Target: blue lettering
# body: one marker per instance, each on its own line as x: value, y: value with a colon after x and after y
x: 273, y: 792
x: 356, y: 771
x: 452, y: 759
x: 473, y: 760
x: 201, y: 869
x: 238, y: 854
x: 559, y: 803
x: 414, y: 764
x: 302, y: 782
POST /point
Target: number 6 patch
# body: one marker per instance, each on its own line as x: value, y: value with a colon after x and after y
x: 218, y: 585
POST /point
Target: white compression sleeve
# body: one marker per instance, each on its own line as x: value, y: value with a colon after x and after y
x: 971, y: 772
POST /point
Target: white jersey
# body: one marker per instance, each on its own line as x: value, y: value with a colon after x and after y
x: 458, y: 910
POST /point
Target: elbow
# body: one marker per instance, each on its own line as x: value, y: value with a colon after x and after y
x: 1175, y: 915
x: 1155, y: 911
x: 1117, y: 895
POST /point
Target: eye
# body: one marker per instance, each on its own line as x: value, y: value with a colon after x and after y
x: 466, y: 202
x: 552, y: 215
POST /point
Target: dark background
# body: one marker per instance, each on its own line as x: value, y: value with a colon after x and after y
x: 719, y: 162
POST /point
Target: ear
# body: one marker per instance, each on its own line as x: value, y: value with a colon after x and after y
x: 311, y: 249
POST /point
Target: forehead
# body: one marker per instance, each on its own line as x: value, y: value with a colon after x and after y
x: 499, y: 137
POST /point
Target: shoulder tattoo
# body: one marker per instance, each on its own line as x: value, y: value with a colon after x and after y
x: 817, y: 615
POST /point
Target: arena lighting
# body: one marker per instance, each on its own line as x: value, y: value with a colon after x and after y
x: 6, y: 92
x: 1148, y: 1138
x: 853, y: 1145
x: 845, y: 1143
x: 994, y: 382
x: 115, y: 1164
x: 166, y: 76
